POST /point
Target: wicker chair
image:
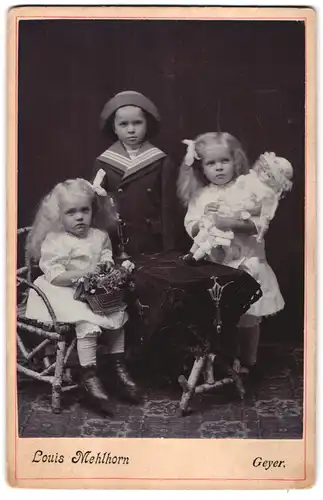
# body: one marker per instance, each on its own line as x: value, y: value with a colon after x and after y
x: 43, y: 349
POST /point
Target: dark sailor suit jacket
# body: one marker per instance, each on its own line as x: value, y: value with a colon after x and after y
x: 144, y: 189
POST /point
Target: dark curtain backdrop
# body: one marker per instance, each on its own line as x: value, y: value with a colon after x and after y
x: 246, y: 78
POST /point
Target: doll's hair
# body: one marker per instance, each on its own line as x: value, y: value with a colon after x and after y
x: 279, y: 171
x: 191, y: 178
x: 48, y: 215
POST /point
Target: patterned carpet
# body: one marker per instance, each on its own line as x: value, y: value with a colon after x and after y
x: 272, y: 408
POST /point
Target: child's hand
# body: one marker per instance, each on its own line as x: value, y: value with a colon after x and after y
x: 89, y: 270
x: 128, y: 265
x: 96, y: 268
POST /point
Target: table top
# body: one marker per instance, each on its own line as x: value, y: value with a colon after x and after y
x: 172, y: 269
x: 166, y: 283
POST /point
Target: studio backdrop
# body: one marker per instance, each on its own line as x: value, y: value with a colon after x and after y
x: 246, y: 78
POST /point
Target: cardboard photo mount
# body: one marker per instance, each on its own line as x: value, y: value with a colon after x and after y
x: 163, y: 463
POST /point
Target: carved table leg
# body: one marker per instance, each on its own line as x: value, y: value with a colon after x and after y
x: 234, y: 377
x: 209, y: 381
x: 189, y: 385
x: 208, y: 371
x: 205, y: 363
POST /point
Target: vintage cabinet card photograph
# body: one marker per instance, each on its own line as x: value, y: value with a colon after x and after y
x: 161, y: 240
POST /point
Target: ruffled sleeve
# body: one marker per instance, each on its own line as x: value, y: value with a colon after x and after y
x: 55, y: 255
x: 194, y: 214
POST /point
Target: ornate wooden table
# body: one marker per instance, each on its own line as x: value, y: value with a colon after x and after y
x: 203, y: 301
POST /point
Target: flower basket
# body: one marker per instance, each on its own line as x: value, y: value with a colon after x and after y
x: 106, y: 303
x: 105, y: 290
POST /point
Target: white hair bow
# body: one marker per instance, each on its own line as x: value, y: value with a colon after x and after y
x: 96, y: 186
x: 191, y: 154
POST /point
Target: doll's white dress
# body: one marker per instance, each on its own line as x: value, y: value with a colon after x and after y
x: 245, y: 252
x: 64, y: 252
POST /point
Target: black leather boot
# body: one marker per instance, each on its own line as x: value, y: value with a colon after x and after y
x: 94, y: 390
x: 127, y: 387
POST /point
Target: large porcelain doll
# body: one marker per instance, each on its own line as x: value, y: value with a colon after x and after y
x: 256, y: 194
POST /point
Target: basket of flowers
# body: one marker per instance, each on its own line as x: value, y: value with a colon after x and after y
x: 104, y: 291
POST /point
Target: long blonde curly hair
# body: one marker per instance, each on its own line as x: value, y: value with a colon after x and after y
x: 48, y: 216
x: 191, y: 178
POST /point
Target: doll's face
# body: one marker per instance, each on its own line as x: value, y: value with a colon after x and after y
x: 218, y: 164
x: 76, y: 214
x: 267, y: 177
x: 130, y: 126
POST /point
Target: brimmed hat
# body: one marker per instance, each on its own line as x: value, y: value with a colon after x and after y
x: 129, y: 98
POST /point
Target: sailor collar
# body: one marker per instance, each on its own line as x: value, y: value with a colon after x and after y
x: 118, y: 157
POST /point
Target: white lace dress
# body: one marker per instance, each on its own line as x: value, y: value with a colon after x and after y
x: 64, y: 252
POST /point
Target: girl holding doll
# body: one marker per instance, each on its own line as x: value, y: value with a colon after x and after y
x: 69, y: 240
x: 210, y: 177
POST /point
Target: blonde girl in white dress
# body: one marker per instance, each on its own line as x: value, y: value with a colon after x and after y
x: 207, y: 179
x: 68, y: 240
